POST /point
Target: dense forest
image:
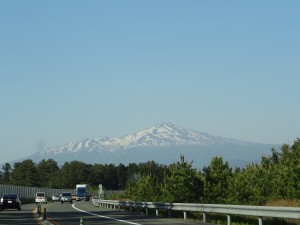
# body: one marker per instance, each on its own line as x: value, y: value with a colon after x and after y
x: 276, y: 176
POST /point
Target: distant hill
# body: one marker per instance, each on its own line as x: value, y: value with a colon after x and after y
x: 163, y: 143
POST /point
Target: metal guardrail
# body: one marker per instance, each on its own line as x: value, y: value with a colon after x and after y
x: 257, y: 211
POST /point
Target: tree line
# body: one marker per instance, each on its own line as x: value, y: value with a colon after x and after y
x: 276, y: 176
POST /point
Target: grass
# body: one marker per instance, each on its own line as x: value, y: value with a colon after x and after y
x: 239, y: 220
x: 284, y: 203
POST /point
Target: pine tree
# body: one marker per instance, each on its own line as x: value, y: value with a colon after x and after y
x: 216, y: 181
x: 6, y: 174
x: 25, y: 174
x: 184, y: 184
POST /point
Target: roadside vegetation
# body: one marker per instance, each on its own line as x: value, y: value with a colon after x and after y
x: 275, y: 180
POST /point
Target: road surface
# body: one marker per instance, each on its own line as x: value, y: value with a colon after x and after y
x: 70, y: 214
x: 24, y: 217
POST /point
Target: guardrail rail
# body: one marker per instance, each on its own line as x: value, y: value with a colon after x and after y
x: 257, y: 211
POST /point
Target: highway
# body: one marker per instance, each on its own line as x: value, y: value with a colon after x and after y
x: 23, y: 217
x: 69, y: 214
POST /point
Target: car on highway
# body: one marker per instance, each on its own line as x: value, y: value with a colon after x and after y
x: 55, y: 198
x: 10, y: 201
x: 66, y: 197
x: 40, y: 197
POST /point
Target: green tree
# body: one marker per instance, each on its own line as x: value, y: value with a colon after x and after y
x: 245, y: 186
x: 133, y: 173
x: 290, y: 165
x: 6, y: 174
x: 121, y: 176
x: 184, y: 184
x: 110, y: 177
x: 74, y: 172
x: 145, y: 189
x: 216, y: 181
x: 276, y: 177
x: 97, y: 175
x: 47, y: 170
x: 24, y: 173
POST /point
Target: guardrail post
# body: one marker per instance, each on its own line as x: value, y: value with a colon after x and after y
x: 204, y: 217
x: 260, y: 221
x: 184, y: 215
x: 147, y: 212
x: 156, y: 212
x: 45, y: 214
x: 228, y: 220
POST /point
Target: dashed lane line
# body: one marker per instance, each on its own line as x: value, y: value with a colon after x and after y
x: 106, y: 217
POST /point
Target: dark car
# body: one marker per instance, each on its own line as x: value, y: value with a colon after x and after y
x: 10, y: 201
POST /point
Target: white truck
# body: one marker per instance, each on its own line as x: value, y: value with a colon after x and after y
x: 82, y: 192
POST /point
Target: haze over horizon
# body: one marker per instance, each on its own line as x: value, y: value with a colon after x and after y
x: 72, y: 70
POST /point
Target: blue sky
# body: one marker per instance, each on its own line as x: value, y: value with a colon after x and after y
x: 76, y: 69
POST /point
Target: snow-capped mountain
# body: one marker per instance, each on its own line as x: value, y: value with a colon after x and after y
x: 163, y: 143
x: 163, y: 135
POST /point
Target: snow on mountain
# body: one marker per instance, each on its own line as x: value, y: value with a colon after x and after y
x: 163, y: 143
x: 163, y: 135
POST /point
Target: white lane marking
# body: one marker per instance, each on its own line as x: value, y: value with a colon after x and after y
x: 123, y: 221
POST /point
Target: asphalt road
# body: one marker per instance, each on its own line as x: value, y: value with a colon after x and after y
x: 70, y: 214
x: 23, y: 217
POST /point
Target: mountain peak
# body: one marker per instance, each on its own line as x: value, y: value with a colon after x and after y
x: 163, y: 142
x: 167, y: 127
x: 162, y: 135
